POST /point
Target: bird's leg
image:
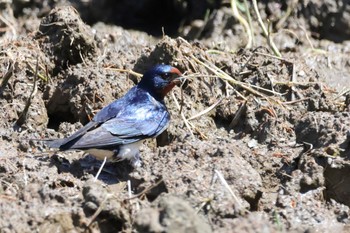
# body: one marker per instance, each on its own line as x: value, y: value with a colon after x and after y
x: 136, y: 161
x: 129, y: 152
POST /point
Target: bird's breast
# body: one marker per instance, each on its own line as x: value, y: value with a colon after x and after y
x: 100, y: 154
x: 127, y: 151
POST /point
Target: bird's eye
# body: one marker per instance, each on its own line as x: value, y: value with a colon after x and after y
x: 167, y: 75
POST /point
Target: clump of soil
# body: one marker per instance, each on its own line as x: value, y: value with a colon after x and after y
x: 66, y: 38
x: 175, y: 215
x: 256, y: 143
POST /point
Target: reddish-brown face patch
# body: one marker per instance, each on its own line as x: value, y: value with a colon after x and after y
x: 175, y: 71
x: 171, y: 85
x: 167, y: 88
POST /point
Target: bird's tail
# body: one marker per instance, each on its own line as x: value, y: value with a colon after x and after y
x: 54, y: 143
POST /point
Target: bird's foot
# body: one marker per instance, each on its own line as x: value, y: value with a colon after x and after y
x: 136, y: 161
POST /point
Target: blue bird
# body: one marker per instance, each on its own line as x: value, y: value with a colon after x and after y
x: 117, y: 130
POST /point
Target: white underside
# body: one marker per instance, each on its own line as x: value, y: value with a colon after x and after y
x: 128, y: 151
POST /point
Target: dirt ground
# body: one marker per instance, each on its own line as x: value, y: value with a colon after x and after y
x: 257, y: 143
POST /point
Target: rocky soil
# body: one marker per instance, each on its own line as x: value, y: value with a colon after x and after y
x: 257, y: 143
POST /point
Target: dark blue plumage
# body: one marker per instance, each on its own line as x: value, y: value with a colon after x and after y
x: 118, y: 129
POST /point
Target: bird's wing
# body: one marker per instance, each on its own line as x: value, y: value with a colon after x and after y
x: 118, y: 131
x: 103, y: 115
x: 111, y: 110
x: 60, y: 143
x: 148, y: 123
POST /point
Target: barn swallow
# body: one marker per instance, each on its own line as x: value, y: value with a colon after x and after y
x: 117, y: 130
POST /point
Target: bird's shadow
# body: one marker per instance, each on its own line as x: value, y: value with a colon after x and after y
x: 111, y: 173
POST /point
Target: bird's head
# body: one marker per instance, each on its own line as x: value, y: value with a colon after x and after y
x: 159, y: 80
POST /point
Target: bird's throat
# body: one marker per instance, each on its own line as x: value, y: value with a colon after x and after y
x: 167, y: 89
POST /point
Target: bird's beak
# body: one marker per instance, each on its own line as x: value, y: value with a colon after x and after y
x: 178, y: 79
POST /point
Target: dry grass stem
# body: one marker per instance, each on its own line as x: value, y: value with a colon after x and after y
x: 272, y: 56
x: 10, y: 198
x: 129, y: 189
x: 293, y: 91
x: 289, y: 11
x: 221, y: 74
x: 267, y: 34
x: 295, y: 101
x: 225, y: 184
x: 238, y: 115
x: 145, y: 190
x: 6, y: 77
x: 25, y: 176
x: 249, y: 20
x: 188, y: 124
x: 100, y: 169
x: 242, y: 21
x: 43, y: 77
x: 343, y: 92
x: 99, y: 210
x: 205, y: 111
x: 125, y: 71
x: 316, y: 50
x: 289, y: 83
x: 204, y: 203
x: 9, y: 24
